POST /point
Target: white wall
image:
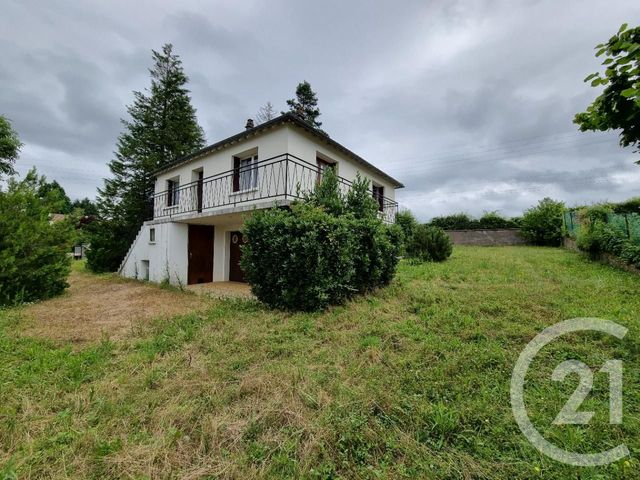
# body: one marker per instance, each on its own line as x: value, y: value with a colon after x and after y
x: 307, y: 147
x: 167, y: 256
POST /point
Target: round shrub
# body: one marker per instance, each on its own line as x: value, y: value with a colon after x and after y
x: 306, y: 259
x: 542, y: 224
x: 429, y: 244
x: 320, y: 251
x: 300, y: 259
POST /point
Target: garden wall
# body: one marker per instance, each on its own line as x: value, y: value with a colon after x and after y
x: 485, y: 238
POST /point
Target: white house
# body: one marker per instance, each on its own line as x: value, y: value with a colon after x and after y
x: 201, y: 200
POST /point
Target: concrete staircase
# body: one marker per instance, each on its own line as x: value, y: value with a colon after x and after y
x: 133, y: 244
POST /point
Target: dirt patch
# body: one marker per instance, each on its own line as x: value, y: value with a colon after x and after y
x: 96, y: 306
x: 222, y: 290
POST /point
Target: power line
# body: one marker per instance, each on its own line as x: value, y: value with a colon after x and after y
x: 482, y: 158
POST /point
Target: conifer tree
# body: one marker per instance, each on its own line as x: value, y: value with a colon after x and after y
x: 305, y: 104
x: 161, y: 128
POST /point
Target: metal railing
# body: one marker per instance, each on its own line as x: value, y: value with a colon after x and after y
x: 278, y: 178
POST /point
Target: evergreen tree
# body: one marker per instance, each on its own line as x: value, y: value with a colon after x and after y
x: 60, y: 202
x: 34, y: 261
x: 162, y: 128
x: 86, y: 206
x: 305, y: 105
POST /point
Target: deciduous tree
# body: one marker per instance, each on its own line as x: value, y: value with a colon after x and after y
x: 618, y: 106
x: 9, y: 147
x: 265, y: 113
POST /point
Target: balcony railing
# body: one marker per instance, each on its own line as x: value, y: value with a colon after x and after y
x: 284, y: 177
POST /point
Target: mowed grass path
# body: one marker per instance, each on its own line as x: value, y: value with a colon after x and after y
x: 410, y: 382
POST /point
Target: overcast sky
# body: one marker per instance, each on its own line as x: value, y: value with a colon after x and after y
x: 469, y: 103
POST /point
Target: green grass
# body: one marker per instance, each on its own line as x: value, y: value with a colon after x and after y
x: 411, y: 382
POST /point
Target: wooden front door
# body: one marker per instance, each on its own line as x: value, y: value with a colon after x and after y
x: 200, y: 254
x: 235, y: 272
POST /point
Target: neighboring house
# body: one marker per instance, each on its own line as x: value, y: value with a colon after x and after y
x: 201, y: 200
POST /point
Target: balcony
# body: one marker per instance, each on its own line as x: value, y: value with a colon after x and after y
x: 273, y: 181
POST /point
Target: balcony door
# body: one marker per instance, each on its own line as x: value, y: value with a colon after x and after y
x: 200, y: 254
x: 199, y: 190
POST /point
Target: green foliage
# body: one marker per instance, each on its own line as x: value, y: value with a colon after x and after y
x: 407, y: 223
x: 618, y: 107
x: 326, y: 194
x: 429, y: 244
x: 299, y: 259
x: 598, y: 235
x: 107, y: 240
x: 86, y: 207
x: 33, y: 252
x: 359, y: 201
x: 542, y: 224
x: 463, y: 221
x: 9, y: 147
x: 305, y: 105
x: 628, y: 206
x: 456, y: 221
x: 162, y: 128
x: 322, y: 250
x: 56, y: 196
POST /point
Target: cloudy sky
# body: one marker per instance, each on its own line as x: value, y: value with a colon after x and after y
x: 469, y: 103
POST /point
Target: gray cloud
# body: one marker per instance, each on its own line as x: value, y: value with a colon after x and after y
x: 469, y: 103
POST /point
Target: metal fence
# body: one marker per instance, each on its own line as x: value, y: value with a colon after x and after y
x: 627, y: 224
x: 279, y: 178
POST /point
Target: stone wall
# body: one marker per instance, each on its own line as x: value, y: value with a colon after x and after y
x: 485, y: 238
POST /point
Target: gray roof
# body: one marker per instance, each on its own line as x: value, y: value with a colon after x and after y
x: 287, y: 118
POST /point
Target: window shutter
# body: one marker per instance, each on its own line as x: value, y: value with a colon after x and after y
x: 236, y: 174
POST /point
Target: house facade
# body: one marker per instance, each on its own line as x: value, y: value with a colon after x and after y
x: 201, y: 201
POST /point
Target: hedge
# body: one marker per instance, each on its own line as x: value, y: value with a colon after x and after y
x: 321, y: 251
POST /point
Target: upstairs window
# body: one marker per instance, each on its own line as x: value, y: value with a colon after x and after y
x: 173, y: 192
x: 322, y: 167
x: 245, y: 173
x: 152, y: 235
x: 378, y: 195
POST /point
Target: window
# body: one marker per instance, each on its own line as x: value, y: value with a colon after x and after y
x: 245, y: 175
x: 378, y: 195
x: 173, y: 192
x: 322, y: 167
x: 152, y: 235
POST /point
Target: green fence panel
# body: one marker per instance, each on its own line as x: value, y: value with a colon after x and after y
x: 626, y: 224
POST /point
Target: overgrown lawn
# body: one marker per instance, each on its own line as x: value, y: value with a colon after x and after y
x: 411, y: 382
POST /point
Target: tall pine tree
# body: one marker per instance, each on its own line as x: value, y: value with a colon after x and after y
x: 305, y: 105
x: 162, y: 127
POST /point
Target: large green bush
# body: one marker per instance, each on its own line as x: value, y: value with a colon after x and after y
x: 321, y: 251
x: 33, y: 252
x: 429, y: 244
x: 542, y: 224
